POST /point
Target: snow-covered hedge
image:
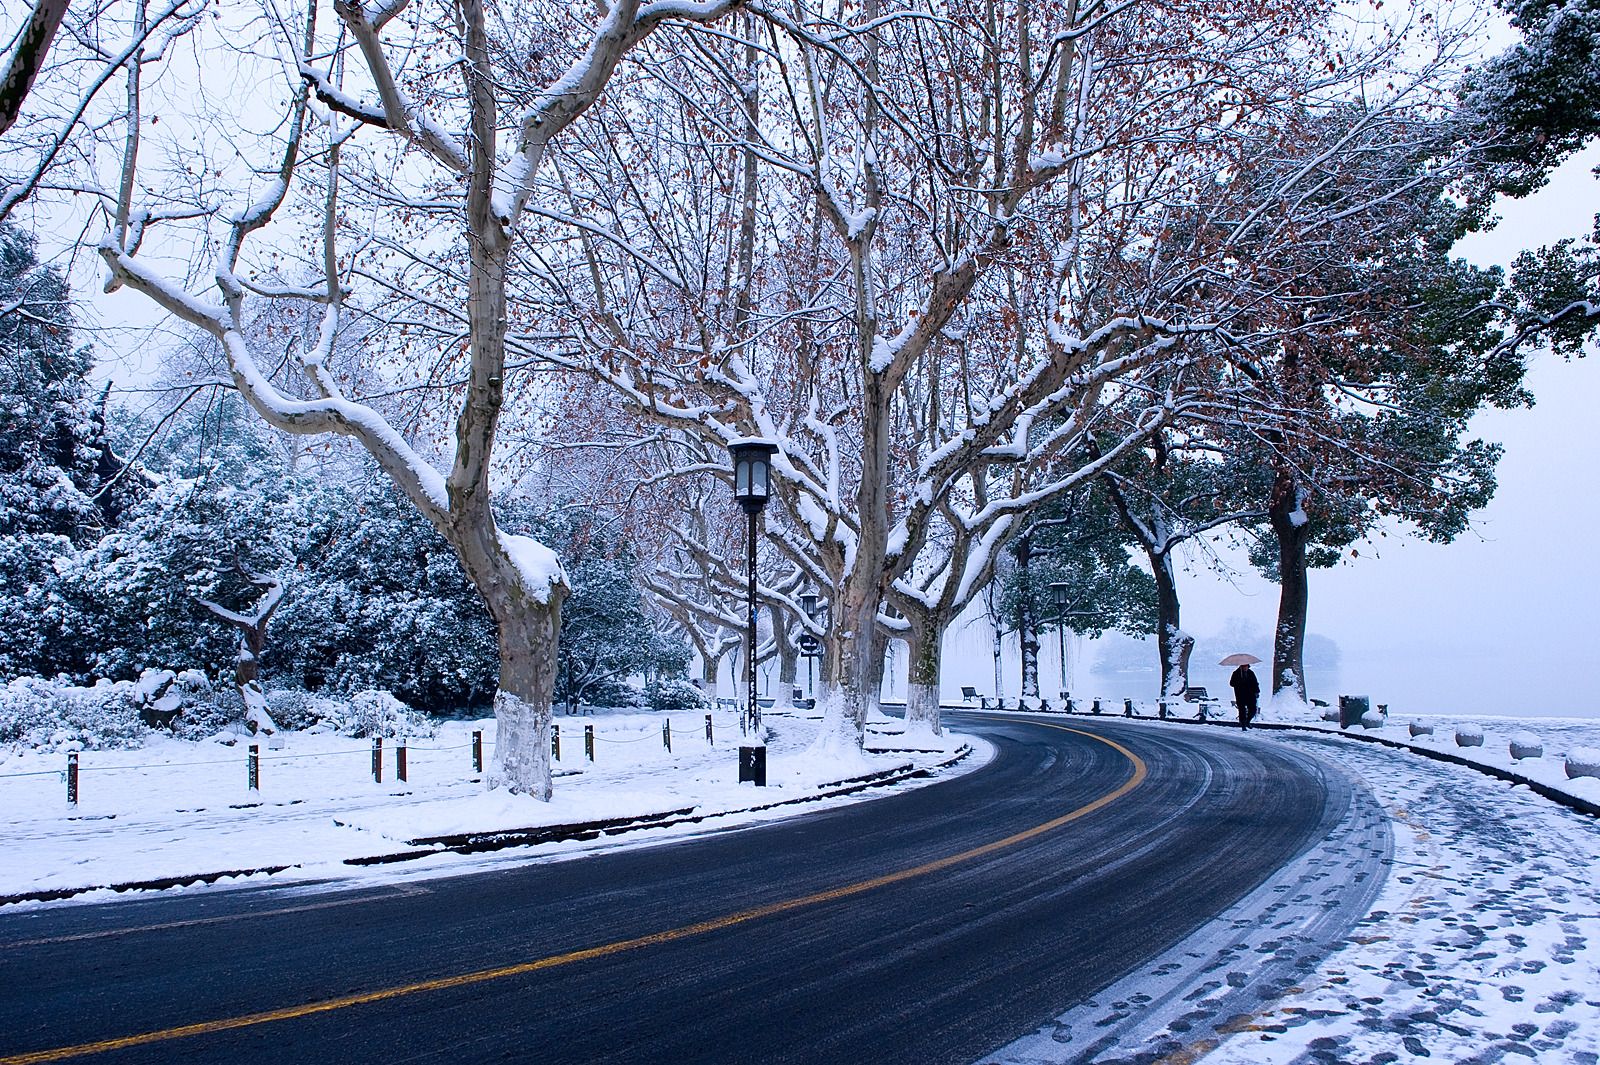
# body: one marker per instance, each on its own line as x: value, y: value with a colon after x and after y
x: 676, y: 693
x: 375, y: 713
x: 56, y: 715
x: 52, y: 716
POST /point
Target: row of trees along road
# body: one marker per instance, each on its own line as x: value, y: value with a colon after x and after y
x: 933, y: 253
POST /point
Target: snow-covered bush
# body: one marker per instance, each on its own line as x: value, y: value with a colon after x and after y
x: 295, y: 710
x: 1372, y: 719
x: 676, y: 693
x: 1583, y: 762
x: 1469, y: 735
x: 1525, y: 744
x: 1419, y: 729
x: 50, y: 715
x: 377, y: 713
x: 207, y: 712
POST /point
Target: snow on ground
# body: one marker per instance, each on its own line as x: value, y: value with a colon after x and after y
x: 1559, y: 737
x: 174, y: 808
x: 1483, y: 945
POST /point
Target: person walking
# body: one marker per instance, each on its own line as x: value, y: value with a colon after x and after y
x: 1246, y: 690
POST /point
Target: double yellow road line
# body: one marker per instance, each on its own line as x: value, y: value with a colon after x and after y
x: 445, y: 983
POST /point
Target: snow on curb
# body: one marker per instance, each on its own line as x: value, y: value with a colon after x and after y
x: 479, y: 842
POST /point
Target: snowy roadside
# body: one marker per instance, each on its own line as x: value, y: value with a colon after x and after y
x: 1481, y: 943
x: 175, y: 809
x: 1548, y: 745
x: 1484, y: 943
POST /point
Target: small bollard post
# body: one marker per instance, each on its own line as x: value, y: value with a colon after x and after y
x: 1096, y: 707
x: 555, y: 742
x: 255, y: 767
x: 666, y: 734
x: 377, y: 759
x: 477, y: 752
x: 72, y: 778
x: 708, y: 731
x: 1069, y: 705
x: 588, y: 741
x: 1127, y: 707
x: 400, y: 761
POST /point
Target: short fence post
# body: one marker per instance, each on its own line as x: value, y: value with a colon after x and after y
x: 708, y: 731
x: 1127, y: 707
x: 72, y: 778
x: 255, y: 767
x: 1069, y: 704
x: 377, y: 759
x: 666, y: 734
x: 400, y: 761
x: 588, y: 741
x: 477, y: 752
x: 555, y: 742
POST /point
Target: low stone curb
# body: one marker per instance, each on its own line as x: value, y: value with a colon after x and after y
x: 159, y: 884
x: 478, y: 842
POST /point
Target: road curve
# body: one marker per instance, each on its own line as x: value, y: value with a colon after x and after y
x: 932, y: 925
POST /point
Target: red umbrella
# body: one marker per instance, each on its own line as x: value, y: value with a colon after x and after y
x: 1239, y: 660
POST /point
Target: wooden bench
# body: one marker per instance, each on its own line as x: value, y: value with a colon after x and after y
x: 969, y: 693
x: 1197, y: 695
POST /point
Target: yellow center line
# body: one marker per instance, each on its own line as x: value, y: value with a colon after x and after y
x: 482, y: 976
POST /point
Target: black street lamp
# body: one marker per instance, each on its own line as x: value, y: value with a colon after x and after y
x: 1058, y: 591
x: 810, y: 646
x: 752, y: 484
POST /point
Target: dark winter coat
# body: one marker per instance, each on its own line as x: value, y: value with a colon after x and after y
x: 1245, y: 685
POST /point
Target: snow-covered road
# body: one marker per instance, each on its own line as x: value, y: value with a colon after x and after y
x: 1481, y: 943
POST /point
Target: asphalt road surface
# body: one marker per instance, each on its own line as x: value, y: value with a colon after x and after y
x: 931, y: 925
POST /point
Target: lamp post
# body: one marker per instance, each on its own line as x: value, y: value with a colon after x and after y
x: 810, y: 647
x: 1058, y: 591
x: 752, y: 468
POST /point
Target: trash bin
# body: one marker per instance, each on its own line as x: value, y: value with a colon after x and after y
x: 1352, y: 708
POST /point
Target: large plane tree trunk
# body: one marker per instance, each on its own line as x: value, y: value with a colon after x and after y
x: 1027, y: 621
x: 1172, y: 642
x: 925, y: 644
x: 1292, y: 525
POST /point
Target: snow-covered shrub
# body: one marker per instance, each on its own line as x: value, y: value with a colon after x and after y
x: 205, y: 713
x: 1583, y: 762
x: 1372, y: 719
x: 202, y: 709
x: 676, y: 693
x: 377, y: 713
x: 1419, y: 729
x: 1525, y: 744
x: 295, y: 710
x: 50, y: 715
x: 1469, y: 735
